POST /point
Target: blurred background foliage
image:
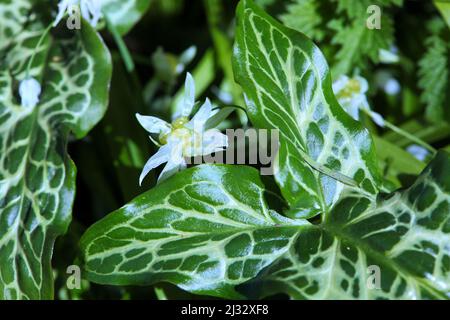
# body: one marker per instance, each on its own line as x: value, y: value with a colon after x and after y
x: 406, y: 63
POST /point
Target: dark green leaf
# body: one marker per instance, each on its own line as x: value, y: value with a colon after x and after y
x: 405, y: 234
x: 206, y: 229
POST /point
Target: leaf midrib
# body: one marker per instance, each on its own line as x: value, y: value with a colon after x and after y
x: 181, y: 236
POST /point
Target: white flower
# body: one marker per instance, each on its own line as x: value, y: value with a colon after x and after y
x: 90, y: 10
x: 388, y: 56
x: 351, y: 94
x: 418, y: 151
x: 185, y: 58
x: 183, y: 137
x: 386, y: 81
x: 29, y: 91
x: 392, y: 87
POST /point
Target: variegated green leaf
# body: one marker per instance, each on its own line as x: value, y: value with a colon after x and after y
x: 37, y: 177
x: 288, y: 87
x: 206, y: 229
x: 13, y: 15
x: 125, y: 14
x: 405, y: 234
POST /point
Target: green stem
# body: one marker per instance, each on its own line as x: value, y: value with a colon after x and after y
x: 41, y: 39
x: 125, y: 54
x: 160, y: 294
x: 405, y: 134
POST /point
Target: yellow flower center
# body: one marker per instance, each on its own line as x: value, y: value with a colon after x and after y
x: 180, y: 122
x: 177, y: 124
x: 353, y: 87
x: 190, y: 139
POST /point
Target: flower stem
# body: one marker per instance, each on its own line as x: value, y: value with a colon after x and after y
x: 411, y: 137
x: 406, y: 134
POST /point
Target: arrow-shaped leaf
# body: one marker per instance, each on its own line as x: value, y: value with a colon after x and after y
x: 206, y: 229
x: 405, y: 236
x: 37, y: 178
x: 13, y: 17
x: 288, y: 87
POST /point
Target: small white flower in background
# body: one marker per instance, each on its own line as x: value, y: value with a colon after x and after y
x: 185, y: 58
x: 417, y: 151
x: 386, y: 81
x: 388, y: 56
x: 29, y: 91
x: 183, y: 137
x: 351, y: 94
x: 392, y: 87
x: 90, y: 10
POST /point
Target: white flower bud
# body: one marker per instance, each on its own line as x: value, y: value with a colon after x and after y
x: 29, y: 91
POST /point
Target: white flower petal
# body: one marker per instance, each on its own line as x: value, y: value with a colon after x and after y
x: 176, y: 163
x: 363, y: 103
x: 363, y: 84
x: 198, y: 121
x: 62, y: 8
x: 214, y: 141
x: 392, y: 87
x: 418, y: 151
x: 388, y: 57
x: 29, y: 91
x: 91, y: 11
x: 340, y: 83
x: 163, y: 155
x: 85, y: 10
x: 185, y: 58
x: 378, y: 119
x: 353, y: 111
x: 153, y: 124
x: 184, y: 108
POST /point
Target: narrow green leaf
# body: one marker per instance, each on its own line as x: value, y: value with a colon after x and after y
x: 288, y: 87
x: 404, y: 235
x: 206, y: 230
x: 37, y: 177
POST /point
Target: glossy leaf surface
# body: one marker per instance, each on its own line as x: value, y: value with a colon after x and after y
x: 403, y: 237
x: 288, y: 87
x: 37, y: 177
x: 206, y: 229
